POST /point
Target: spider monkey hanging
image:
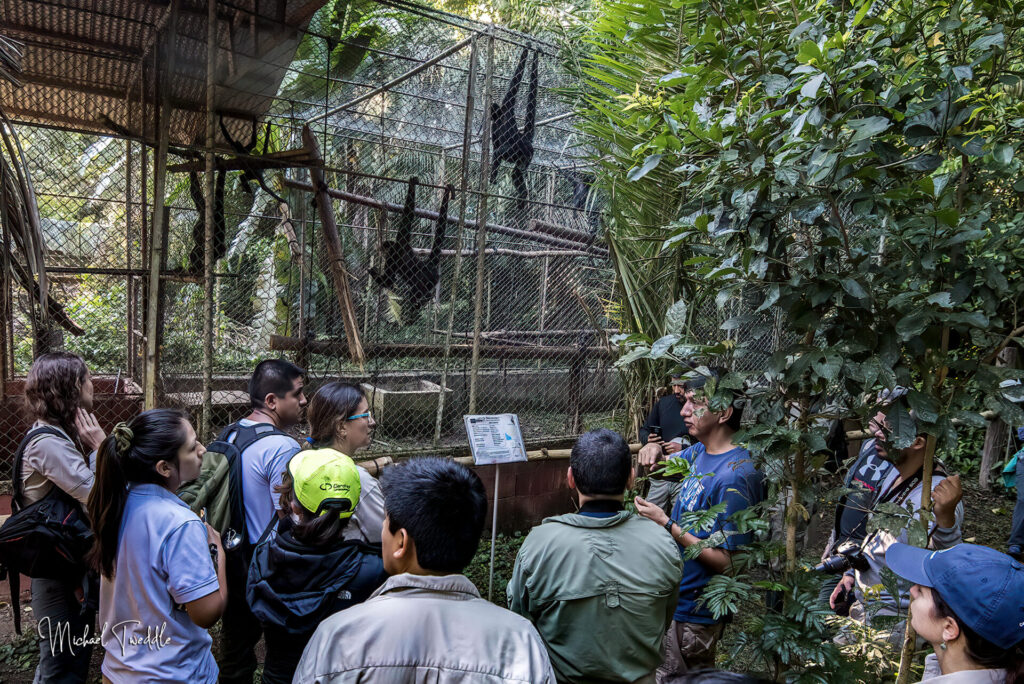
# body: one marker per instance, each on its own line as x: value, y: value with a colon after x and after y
x: 220, y: 244
x: 410, y: 280
x: 509, y: 144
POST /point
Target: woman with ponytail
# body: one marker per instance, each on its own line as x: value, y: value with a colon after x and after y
x: 340, y: 419
x: 968, y: 602
x: 59, y: 454
x: 162, y: 569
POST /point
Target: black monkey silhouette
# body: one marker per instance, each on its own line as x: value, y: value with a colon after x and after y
x: 220, y: 243
x: 408, y: 277
x: 581, y: 183
x: 250, y: 175
x: 509, y: 144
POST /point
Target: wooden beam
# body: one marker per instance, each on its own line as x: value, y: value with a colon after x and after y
x: 560, y: 231
x: 542, y: 238
x: 339, y: 272
x: 432, y: 351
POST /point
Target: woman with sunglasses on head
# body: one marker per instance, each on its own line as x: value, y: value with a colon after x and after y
x: 968, y: 602
x: 59, y: 454
x: 340, y: 419
x: 162, y: 569
x: 308, y: 570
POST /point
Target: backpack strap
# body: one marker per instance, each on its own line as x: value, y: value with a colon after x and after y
x: 16, y: 481
x: 242, y: 437
x: 274, y: 519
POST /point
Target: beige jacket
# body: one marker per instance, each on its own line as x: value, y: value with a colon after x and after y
x: 419, y: 629
x: 50, y: 460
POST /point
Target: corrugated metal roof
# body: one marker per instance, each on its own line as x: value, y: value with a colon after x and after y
x: 91, y: 62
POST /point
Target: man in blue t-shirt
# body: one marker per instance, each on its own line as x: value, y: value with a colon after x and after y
x: 720, y: 472
x: 276, y: 391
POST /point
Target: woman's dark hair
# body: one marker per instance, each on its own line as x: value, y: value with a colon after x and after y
x: 333, y: 402
x: 53, y: 389
x: 984, y: 652
x: 129, y: 455
x: 313, y: 529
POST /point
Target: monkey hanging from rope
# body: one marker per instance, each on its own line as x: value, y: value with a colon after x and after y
x: 408, y: 279
x: 508, y: 143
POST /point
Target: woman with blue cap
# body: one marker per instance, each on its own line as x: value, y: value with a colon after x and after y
x: 968, y: 602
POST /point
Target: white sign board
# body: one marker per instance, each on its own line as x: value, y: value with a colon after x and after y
x: 495, y: 439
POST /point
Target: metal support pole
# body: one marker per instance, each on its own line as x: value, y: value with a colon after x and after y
x: 394, y: 82
x: 129, y: 280
x: 481, y: 233
x: 156, y: 243
x: 494, y: 531
x: 208, y: 278
x: 467, y: 134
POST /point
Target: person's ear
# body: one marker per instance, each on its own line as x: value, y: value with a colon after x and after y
x: 919, y: 443
x: 164, y: 468
x: 270, y: 401
x: 950, y: 630
x: 724, y: 416
x: 340, y: 431
x: 569, y: 478
x: 403, y: 546
x: 632, y: 478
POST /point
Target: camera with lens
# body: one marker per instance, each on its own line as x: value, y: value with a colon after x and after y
x: 848, y: 555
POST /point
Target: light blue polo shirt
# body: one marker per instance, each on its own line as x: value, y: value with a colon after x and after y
x: 163, y: 560
x: 263, y: 465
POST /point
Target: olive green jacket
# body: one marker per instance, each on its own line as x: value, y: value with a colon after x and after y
x: 601, y: 592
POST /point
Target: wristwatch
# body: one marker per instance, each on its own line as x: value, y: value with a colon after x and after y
x: 668, y: 527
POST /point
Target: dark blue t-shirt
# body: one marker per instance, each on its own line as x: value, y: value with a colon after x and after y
x: 733, y: 480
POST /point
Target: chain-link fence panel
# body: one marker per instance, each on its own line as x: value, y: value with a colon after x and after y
x: 436, y: 137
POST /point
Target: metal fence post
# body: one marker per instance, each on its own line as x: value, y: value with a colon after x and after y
x: 208, y: 279
x: 467, y: 140
x: 156, y: 244
x: 481, y: 232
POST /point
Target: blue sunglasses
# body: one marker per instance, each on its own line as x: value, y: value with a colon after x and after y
x: 359, y: 415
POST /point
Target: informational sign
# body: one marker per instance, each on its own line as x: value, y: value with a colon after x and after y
x: 495, y: 439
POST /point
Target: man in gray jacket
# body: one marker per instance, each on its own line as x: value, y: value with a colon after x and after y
x: 601, y: 584
x: 428, y: 622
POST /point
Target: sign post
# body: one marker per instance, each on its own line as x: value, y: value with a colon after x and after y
x: 495, y: 439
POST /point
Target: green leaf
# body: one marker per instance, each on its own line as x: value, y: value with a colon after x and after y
x: 650, y: 163
x: 869, y: 127
x: 912, y: 324
x: 810, y: 88
x: 854, y: 289
x: 926, y: 406
x: 902, y: 428
x: 985, y: 42
x: 1003, y: 154
x: 662, y: 345
x: 675, y: 317
x: 634, y: 354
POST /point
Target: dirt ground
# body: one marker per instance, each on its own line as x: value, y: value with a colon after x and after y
x: 987, y: 521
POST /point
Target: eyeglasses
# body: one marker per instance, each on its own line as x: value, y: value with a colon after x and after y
x: 359, y: 415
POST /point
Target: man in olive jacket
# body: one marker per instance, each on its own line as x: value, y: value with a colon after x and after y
x: 600, y: 585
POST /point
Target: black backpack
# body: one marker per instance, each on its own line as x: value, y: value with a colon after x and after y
x: 218, y: 488
x: 47, y: 539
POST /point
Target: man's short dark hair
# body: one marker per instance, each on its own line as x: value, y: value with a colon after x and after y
x: 601, y: 463
x: 442, y: 505
x: 272, y: 376
x: 717, y: 372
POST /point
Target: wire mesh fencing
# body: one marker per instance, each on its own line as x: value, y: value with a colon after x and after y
x: 459, y: 247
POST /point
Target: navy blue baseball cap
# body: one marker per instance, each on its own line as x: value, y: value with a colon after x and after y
x: 983, y: 587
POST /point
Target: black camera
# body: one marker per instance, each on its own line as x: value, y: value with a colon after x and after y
x: 848, y: 555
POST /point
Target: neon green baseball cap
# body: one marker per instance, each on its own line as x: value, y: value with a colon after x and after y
x: 325, y: 478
